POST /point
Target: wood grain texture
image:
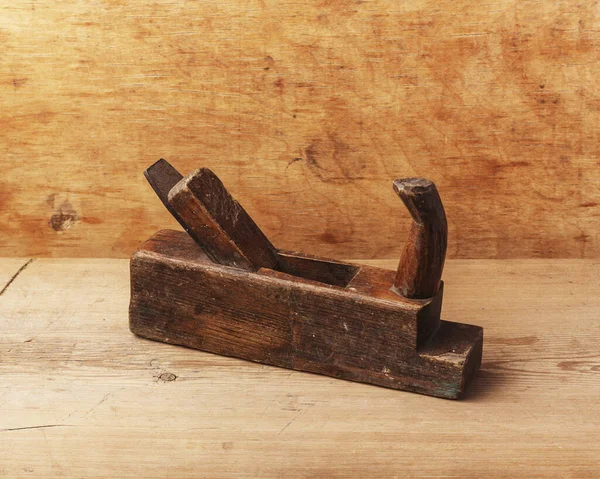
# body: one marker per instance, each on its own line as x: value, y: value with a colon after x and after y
x: 219, y: 224
x: 307, y: 111
x: 83, y: 397
x: 422, y: 261
x: 342, y: 332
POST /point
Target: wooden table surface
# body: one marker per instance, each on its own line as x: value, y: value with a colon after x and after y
x: 81, y: 396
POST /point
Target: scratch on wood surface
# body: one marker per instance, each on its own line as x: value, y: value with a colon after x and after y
x: 43, y: 426
x: 300, y: 413
x: 103, y: 400
x: 14, y: 276
x: 290, y: 422
x: 33, y: 338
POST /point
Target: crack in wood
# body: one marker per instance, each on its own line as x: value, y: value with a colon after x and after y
x: 14, y: 276
x: 34, y: 427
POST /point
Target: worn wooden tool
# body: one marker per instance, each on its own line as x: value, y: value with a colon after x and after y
x: 224, y: 288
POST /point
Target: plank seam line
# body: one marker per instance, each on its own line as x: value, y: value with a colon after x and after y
x: 14, y: 276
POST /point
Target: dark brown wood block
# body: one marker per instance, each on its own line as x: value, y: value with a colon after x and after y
x: 162, y: 177
x: 360, y: 331
x: 219, y: 224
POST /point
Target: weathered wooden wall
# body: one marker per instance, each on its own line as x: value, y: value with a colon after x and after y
x: 307, y: 110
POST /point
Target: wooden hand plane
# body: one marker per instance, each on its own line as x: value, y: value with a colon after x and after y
x: 222, y: 287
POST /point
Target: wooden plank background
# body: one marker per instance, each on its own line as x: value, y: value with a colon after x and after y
x: 307, y: 110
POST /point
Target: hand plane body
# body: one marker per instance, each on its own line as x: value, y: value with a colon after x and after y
x: 221, y: 287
